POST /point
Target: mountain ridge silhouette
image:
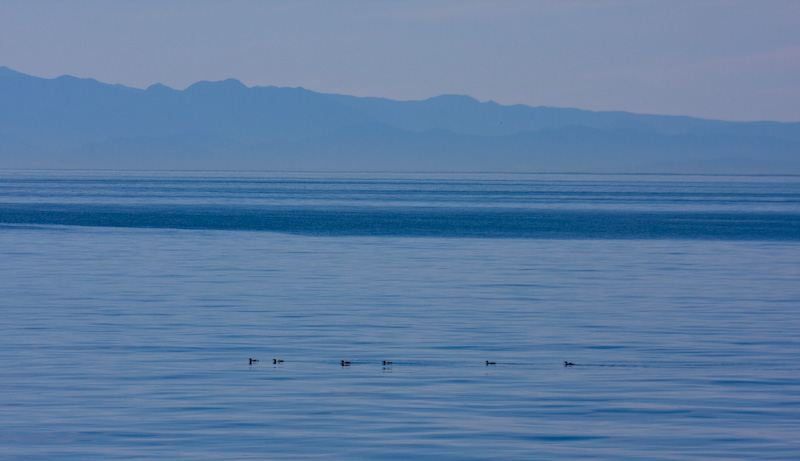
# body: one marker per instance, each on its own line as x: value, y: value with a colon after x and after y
x: 70, y: 122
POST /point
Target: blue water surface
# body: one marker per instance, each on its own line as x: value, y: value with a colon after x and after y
x: 130, y: 304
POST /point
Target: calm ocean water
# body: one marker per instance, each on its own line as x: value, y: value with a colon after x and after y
x: 130, y: 304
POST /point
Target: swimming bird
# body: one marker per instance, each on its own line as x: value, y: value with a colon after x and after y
x: 568, y: 364
x: 387, y: 363
x: 490, y: 363
x: 277, y: 361
x: 345, y: 363
x: 252, y: 361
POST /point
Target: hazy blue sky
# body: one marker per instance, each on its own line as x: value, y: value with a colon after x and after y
x: 727, y: 59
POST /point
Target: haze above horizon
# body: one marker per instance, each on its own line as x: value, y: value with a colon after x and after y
x: 727, y: 60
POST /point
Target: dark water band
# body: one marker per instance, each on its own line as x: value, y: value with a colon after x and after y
x: 420, y: 221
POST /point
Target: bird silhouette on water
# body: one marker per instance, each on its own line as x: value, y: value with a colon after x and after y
x: 346, y: 363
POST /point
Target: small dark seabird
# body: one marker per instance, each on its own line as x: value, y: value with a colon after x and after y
x: 568, y: 364
x: 490, y: 363
x: 277, y: 361
x: 252, y: 361
x: 345, y: 363
x: 386, y: 362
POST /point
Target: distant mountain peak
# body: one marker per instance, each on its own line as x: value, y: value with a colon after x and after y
x: 159, y: 87
x: 6, y: 71
x: 232, y: 82
x: 227, y: 84
x: 454, y: 99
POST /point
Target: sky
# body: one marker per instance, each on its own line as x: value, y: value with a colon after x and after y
x: 722, y: 59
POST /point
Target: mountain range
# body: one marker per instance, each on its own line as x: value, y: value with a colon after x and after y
x: 70, y: 122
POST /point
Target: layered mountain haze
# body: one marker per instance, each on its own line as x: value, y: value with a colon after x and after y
x: 69, y: 122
